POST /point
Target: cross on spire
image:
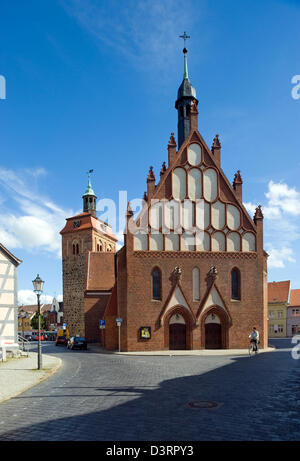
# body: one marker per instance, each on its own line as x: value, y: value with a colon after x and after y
x: 185, y: 37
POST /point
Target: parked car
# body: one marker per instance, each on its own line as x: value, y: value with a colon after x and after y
x: 77, y: 342
x: 28, y: 337
x: 61, y: 340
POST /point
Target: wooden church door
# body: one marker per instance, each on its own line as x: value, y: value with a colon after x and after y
x: 213, y: 336
x: 177, y: 333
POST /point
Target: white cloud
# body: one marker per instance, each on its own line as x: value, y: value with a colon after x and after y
x: 281, y: 197
x: 37, y: 221
x: 144, y: 31
x: 278, y: 257
x: 281, y: 227
x: 28, y: 297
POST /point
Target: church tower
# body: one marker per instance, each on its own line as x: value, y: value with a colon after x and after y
x: 88, y: 248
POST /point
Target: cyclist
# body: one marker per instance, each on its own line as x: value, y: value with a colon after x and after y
x: 254, y: 335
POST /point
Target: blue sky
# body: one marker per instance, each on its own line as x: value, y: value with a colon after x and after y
x: 92, y: 84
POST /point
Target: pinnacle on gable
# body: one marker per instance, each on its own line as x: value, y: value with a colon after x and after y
x: 145, y: 197
x: 216, y: 142
x: 163, y: 169
x: 129, y: 211
x: 237, y: 179
x: 151, y: 176
x: 258, y: 214
x: 172, y: 141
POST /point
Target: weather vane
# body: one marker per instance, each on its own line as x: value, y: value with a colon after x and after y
x: 89, y: 172
x: 185, y: 37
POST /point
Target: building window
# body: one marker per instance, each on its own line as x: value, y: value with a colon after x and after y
x: 280, y: 314
x: 280, y: 328
x: 196, y: 284
x: 235, y: 284
x: 295, y: 329
x: 271, y: 329
x: 271, y: 315
x: 75, y: 247
x: 156, y: 284
x: 295, y: 312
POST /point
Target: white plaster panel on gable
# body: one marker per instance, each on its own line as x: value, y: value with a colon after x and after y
x: 179, y: 183
x: 218, y: 215
x: 172, y: 242
x: 248, y: 242
x: 156, y: 242
x: 210, y: 184
x: 140, y: 242
x: 156, y: 212
x: 172, y: 214
x: 194, y: 154
x: 218, y: 241
x: 177, y: 299
x: 233, y: 217
x: 195, y: 184
x: 233, y: 241
x: 187, y: 215
x: 187, y: 242
x: 202, y: 214
x: 202, y: 241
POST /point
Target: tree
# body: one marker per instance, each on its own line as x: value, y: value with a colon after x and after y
x: 35, y: 322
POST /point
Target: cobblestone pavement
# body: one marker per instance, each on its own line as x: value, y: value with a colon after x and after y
x: 121, y: 398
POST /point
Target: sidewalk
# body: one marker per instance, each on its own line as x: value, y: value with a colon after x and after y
x: 202, y: 352
x: 18, y: 375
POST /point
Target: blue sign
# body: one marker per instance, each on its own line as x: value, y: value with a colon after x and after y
x: 102, y: 323
x: 64, y: 326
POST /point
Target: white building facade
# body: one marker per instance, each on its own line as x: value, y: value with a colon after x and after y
x: 8, y: 297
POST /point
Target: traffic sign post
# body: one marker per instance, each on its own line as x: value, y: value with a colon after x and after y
x: 119, y: 323
x: 101, y: 324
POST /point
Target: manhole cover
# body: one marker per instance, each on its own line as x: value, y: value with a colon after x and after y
x: 202, y: 404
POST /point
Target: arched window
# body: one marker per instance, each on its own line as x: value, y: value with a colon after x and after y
x: 235, y: 284
x: 156, y: 284
x: 75, y: 248
x: 196, y: 284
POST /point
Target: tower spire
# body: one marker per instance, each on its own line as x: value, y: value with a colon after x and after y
x: 185, y: 97
x: 185, y: 71
x: 89, y: 197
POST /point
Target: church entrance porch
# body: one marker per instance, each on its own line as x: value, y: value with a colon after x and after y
x: 177, y: 333
x: 214, y: 330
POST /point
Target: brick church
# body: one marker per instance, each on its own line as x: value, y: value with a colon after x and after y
x: 192, y: 273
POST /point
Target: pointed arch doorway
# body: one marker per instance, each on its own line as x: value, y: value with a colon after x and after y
x: 177, y: 333
x: 213, y: 332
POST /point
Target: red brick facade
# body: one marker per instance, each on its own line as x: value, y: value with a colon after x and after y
x: 205, y: 294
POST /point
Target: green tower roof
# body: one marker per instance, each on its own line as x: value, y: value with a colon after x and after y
x: 89, y: 190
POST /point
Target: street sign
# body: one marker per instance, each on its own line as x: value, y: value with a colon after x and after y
x: 120, y: 320
x: 101, y: 323
x: 64, y: 326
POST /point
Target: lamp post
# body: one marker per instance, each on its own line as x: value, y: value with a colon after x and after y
x: 38, y: 285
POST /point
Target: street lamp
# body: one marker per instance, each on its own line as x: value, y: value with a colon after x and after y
x: 38, y: 285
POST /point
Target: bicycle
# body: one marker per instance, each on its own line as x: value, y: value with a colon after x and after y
x: 253, y: 348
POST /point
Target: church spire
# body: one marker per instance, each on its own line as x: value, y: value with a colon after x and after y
x: 89, y: 198
x: 185, y: 97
